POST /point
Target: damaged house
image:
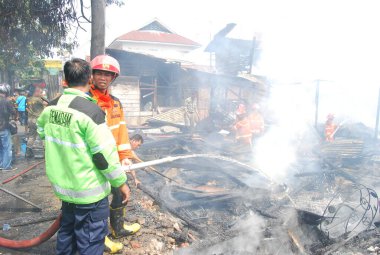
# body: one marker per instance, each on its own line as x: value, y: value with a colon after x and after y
x: 155, y: 81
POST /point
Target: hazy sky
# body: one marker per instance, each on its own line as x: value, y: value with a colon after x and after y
x: 301, y: 39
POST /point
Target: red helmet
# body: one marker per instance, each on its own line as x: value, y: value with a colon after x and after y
x: 105, y: 63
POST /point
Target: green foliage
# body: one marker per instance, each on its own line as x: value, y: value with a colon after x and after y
x: 31, y: 29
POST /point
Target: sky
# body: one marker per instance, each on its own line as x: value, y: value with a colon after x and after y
x: 301, y: 39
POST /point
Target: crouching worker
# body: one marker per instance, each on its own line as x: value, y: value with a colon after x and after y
x: 82, y: 163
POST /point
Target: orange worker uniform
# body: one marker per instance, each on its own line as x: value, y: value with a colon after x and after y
x: 257, y: 123
x: 243, y: 131
x: 115, y: 121
x: 330, y: 128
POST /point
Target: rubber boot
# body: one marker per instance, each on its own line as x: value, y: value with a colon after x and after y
x: 117, y: 223
x: 132, y: 229
x: 112, y: 247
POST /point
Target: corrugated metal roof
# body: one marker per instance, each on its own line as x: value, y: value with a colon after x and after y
x: 175, y: 115
x: 157, y: 37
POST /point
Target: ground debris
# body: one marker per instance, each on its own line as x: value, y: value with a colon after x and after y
x: 157, y: 227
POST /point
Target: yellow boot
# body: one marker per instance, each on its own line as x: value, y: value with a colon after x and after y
x: 118, y: 228
x: 112, y: 247
x: 132, y: 229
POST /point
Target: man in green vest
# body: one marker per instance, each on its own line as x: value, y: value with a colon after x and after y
x: 82, y: 163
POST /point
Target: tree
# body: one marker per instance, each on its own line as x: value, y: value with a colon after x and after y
x: 32, y: 29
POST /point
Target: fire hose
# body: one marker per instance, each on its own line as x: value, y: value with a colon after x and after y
x: 19, y: 244
x: 13, y: 244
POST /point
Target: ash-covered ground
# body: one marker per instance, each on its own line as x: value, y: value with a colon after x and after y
x: 218, y: 201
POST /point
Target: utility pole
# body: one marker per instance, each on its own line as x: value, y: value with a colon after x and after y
x: 377, y: 117
x: 98, y: 27
x: 252, y: 54
x: 316, y: 104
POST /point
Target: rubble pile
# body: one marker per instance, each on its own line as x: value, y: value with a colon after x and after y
x: 212, y: 203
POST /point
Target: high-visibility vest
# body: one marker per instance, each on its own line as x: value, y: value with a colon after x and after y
x: 76, y: 138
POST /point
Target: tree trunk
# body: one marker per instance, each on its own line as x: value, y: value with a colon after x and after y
x: 98, y: 8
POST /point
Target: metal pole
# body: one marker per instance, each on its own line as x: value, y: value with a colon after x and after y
x: 316, y: 104
x: 21, y: 198
x: 377, y: 117
x: 252, y: 54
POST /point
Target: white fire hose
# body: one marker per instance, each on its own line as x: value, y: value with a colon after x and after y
x: 171, y: 159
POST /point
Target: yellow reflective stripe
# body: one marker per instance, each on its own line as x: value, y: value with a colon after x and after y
x: 83, y: 193
x: 123, y: 123
x: 114, y: 174
x: 123, y: 147
x: 65, y: 143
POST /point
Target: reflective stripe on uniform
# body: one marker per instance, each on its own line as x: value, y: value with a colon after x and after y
x: 243, y: 136
x: 101, y: 146
x: 83, y: 193
x: 114, y: 127
x: 114, y: 174
x: 65, y: 143
x: 117, y: 125
x: 123, y: 147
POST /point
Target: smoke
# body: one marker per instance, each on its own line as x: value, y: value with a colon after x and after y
x: 250, y: 230
x: 289, y: 111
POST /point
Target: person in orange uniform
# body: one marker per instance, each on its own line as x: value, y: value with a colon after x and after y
x: 256, y: 120
x: 330, y: 128
x: 105, y: 70
x: 243, y: 130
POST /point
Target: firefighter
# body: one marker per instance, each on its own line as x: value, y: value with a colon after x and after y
x: 330, y: 128
x: 35, y: 105
x: 82, y: 163
x: 240, y: 109
x: 243, y: 130
x: 191, y: 111
x: 136, y: 141
x: 256, y: 121
x: 105, y: 69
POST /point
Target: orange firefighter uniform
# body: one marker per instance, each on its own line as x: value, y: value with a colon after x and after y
x: 243, y: 131
x: 105, y: 69
x: 257, y: 123
x: 115, y: 121
x: 330, y: 128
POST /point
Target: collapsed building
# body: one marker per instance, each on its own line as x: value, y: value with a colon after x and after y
x: 326, y: 204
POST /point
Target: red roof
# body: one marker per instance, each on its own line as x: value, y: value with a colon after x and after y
x: 158, y: 37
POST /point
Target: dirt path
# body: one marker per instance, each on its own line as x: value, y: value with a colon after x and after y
x: 161, y: 233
